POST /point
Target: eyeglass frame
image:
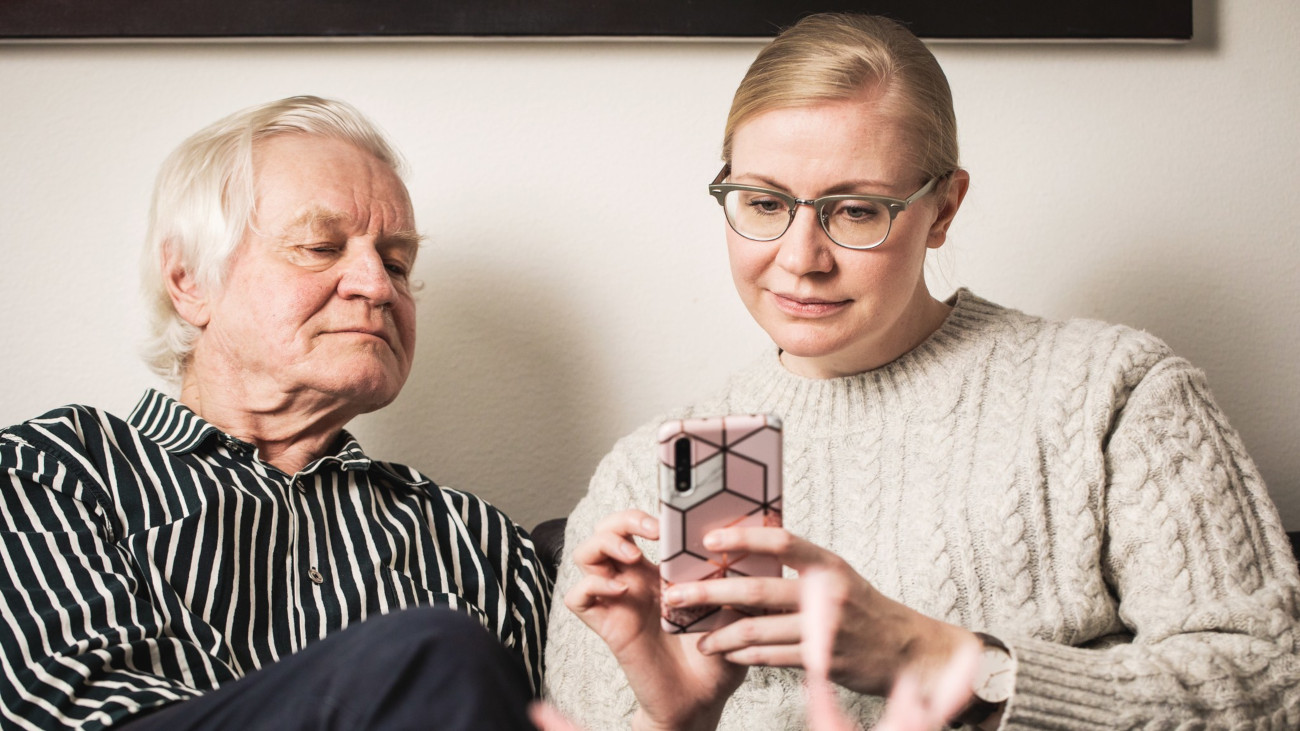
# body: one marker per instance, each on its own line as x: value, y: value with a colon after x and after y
x: 895, y: 206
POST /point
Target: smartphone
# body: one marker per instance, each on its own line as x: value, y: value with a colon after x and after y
x: 715, y: 472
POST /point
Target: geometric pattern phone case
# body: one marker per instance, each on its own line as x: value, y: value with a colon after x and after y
x: 732, y: 477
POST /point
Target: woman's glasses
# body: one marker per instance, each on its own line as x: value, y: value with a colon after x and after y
x: 852, y: 221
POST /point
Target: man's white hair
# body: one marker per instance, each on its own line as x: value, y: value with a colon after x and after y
x: 204, y: 202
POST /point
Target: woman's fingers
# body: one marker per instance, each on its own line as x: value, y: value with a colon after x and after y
x: 819, y: 616
x: 546, y: 718
x: 792, y: 550
x: 756, y: 640
x: 778, y: 595
x: 771, y: 656
x: 612, y: 540
x: 590, y: 590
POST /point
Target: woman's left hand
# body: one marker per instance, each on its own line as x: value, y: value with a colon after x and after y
x: 875, y: 640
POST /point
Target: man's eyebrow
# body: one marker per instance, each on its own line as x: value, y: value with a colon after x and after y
x: 315, y: 218
x: 318, y: 218
x: 406, y: 237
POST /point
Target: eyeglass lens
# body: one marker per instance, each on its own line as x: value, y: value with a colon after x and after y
x: 858, y: 223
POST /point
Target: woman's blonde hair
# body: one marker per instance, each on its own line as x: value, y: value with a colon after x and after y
x: 204, y: 201
x: 840, y: 56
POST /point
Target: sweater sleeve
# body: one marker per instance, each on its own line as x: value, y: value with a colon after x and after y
x: 583, y: 679
x: 1195, y: 555
x: 79, y: 642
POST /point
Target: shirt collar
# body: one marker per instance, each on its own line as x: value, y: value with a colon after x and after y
x: 170, y: 424
x: 174, y: 427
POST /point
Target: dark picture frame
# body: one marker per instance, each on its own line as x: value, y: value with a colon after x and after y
x: 1090, y: 20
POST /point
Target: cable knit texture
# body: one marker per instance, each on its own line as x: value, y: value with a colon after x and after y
x: 1071, y: 488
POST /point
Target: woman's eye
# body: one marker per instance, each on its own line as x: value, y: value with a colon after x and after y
x: 767, y: 205
x: 857, y: 211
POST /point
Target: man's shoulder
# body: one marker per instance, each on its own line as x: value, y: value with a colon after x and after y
x: 63, y: 450
x: 64, y: 429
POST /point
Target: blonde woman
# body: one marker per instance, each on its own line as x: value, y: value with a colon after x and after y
x: 1063, y: 497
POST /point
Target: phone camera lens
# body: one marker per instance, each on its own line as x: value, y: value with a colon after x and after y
x: 682, y: 464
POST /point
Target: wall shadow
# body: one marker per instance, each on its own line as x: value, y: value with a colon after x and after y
x: 506, y: 399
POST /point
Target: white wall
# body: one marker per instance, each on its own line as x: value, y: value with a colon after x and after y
x: 576, y: 282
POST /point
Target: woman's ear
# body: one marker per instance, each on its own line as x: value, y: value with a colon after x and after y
x: 953, y: 194
x: 187, y: 296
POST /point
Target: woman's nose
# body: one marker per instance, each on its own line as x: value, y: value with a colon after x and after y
x: 805, y: 247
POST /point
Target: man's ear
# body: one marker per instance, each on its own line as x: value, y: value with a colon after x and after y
x: 187, y: 296
x: 954, y: 194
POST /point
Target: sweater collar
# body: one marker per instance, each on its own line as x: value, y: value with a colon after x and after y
x: 911, y: 380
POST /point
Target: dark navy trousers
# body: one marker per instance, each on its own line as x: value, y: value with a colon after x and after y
x: 419, y: 668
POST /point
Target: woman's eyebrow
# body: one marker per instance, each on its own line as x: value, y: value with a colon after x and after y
x: 846, y: 187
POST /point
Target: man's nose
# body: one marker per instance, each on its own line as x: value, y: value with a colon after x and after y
x: 365, y: 275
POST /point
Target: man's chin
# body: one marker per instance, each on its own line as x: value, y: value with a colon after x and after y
x: 363, y: 393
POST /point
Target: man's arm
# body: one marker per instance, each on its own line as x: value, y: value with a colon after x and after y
x: 522, y: 581
x: 80, y: 643
x: 529, y: 596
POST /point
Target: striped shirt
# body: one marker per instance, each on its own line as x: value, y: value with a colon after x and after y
x: 151, y: 560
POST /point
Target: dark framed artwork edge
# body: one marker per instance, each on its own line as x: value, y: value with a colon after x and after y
x: 302, y: 20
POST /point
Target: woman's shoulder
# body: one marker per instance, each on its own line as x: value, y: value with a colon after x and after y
x: 1067, y: 341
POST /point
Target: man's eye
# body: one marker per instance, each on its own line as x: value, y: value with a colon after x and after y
x: 397, y: 269
x: 323, y: 248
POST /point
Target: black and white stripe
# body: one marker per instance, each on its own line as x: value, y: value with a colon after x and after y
x: 151, y: 560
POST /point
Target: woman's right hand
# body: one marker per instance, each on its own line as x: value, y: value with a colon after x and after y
x: 676, y: 686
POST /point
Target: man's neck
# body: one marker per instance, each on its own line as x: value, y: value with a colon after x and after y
x: 289, y: 430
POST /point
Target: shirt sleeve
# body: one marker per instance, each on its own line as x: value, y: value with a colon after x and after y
x: 80, y: 644
x: 523, y: 584
x: 529, y: 597
x: 1196, y: 556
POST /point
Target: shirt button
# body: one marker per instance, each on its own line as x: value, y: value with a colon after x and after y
x: 315, y: 576
x: 301, y: 485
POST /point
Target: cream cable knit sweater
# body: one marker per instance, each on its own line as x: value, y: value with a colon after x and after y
x: 1069, y: 487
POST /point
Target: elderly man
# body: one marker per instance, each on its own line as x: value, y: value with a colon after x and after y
x: 223, y: 559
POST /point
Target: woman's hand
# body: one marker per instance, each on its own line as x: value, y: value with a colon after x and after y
x: 875, y: 640
x: 677, y: 686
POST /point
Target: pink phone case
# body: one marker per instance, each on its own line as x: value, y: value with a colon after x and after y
x: 733, y: 478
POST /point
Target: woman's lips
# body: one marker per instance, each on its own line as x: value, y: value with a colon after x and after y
x: 808, y: 306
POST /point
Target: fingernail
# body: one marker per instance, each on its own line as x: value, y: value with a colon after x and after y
x: 712, y: 540
x: 649, y: 524
x: 629, y: 550
x: 674, y: 596
x: 616, y: 585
